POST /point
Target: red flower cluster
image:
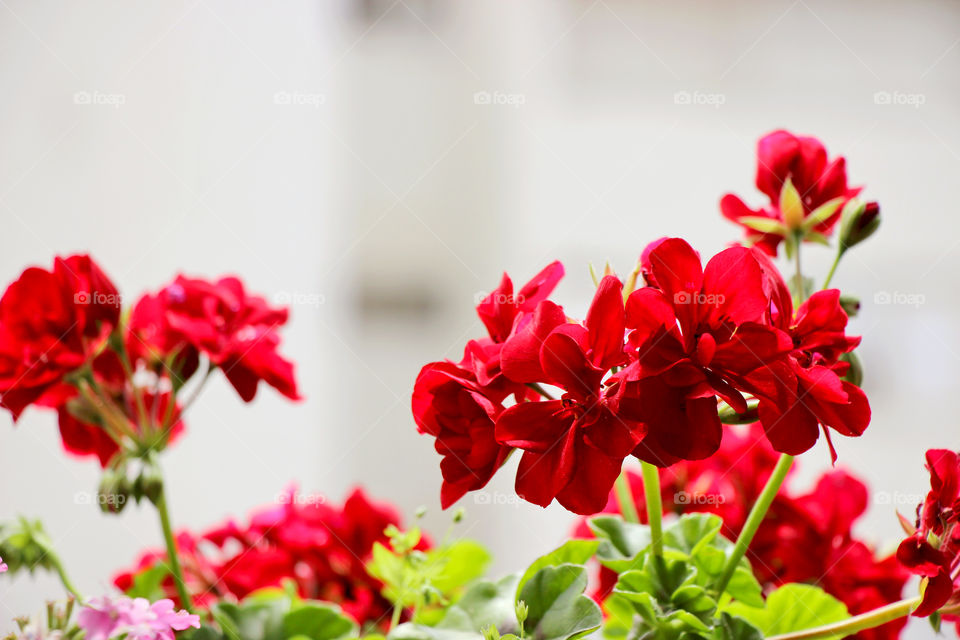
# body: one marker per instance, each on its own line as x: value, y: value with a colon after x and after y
x: 322, y: 548
x: 782, y: 156
x: 933, y: 551
x: 63, y: 346
x: 806, y: 537
x: 641, y: 377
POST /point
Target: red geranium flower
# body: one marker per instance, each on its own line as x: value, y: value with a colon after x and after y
x: 698, y: 334
x: 937, y: 516
x: 51, y: 323
x: 322, y: 548
x: 805, y: 392
x: 782, y: 156
x: 451, y: 406
x: 573, y: 447
x: 235, y: 330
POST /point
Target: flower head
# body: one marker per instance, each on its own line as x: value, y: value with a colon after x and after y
x: 799, y: 165
x: 136, y: 618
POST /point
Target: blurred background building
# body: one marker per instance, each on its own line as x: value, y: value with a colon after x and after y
x: 378, y: 164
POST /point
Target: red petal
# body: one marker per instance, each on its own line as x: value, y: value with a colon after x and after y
x: 520, y: 356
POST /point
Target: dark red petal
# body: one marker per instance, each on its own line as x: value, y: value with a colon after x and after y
x: 605, y: 323
x: 540, y: 286
x: 566, y: 365
x: 733, y: 287
x: 589, y: 488
x: 533, y: 426
x: 541, y: 476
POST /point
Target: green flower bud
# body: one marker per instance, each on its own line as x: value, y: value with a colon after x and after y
x: 114, y: 491
x: 855, y: 374
x: 858, y: 222
x: 149, y: 484
x: 850, y: 305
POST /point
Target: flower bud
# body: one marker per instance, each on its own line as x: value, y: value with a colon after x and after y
x: 850, y: 305
x: 858, y: 223
x: 149, y: 484
x: 114, y: 491
x: 855, y: 373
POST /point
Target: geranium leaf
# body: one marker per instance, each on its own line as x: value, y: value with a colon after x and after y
x: 571, y: 552
x: 318, y: 622
x: 621, y: 543
x: 558, y: 609
x: 793, y: 607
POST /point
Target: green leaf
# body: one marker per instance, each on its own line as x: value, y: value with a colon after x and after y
x: 730, y: 627
x: 792, y: 607
x: 571, y: 552
x: 261, y: 620
x: 764, y: 225
x: 148, y: 583
x: 621, y: 543
x: 818, y: 238
x: 462, y: 563
x: 318, y: 622
x: 484, y: 604
x: 558, y: 608
x: 822, y: 213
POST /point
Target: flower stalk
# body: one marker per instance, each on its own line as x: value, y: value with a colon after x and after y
x: 651, y: 492
x: 757, y: 514
x: 171, y: 545
x: 853, y: 625
x: 628, y: 507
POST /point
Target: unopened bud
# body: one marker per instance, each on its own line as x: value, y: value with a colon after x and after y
x: 523, y: 611
x: 114, y: 491
x: 859, y: 222
x: 149, y: 484
x: 850, y: 305
x: 854, y: 374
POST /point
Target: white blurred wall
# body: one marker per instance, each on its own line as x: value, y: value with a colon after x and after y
x: 385, y: 192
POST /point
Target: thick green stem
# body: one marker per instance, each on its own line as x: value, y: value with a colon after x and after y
x: 625, y: 499
x: 757, y: 513
x: 172, y: 553
x: 651, y: 493
x: 850, y: 626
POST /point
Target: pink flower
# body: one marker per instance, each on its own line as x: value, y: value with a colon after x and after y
x: 107, y: 617
x: 3, y: 565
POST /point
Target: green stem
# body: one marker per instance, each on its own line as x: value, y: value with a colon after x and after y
x: 651, y: 493
x: 543, y: 392
x: 850, y: 626
x: 833, y: 268
x: 757, y: 513
x: 397, y: 612
x: 625, y: 499
x: 172, y: 553
x: 801, y: 294
x: 62, y: 574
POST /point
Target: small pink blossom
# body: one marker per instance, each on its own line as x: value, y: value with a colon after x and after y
x: 3, y: 565
x: 107, y: 617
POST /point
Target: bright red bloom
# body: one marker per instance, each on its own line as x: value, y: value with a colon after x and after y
x: 458, y: 404
x: 698, y: 334
x: 322, y: 548
x: 805, y: 392
x: 803, y: 160
x: 451, y: 406
x: 937, y: 516
x: 51, y: 322
x: 235, y: 330
x: 573, y: 447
